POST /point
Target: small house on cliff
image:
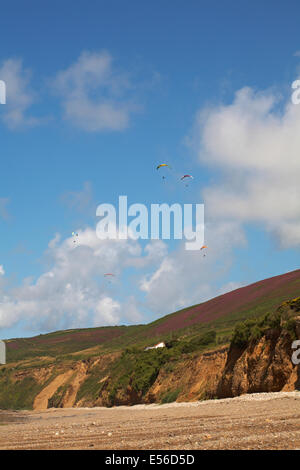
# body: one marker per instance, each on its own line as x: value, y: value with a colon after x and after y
x: 156, y: 346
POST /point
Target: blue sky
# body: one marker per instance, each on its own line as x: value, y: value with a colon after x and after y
x: 98, y: 94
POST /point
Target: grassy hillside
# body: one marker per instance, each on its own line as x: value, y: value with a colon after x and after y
x: 219, y: 314
x: 108, y: 366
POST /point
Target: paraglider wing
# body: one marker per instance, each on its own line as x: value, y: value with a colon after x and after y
x: 186, y: 176
x: 74, y: 235
x: 162, y: 164
x: 109, y: 276
x: 202, y: 248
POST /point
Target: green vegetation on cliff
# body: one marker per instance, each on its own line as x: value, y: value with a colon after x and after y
x: 253, y: 329
x: 115, y: 363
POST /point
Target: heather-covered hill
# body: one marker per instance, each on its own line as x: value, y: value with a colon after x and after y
x: 252, y: 300
x: 258, y: 359
x: 220, y: 314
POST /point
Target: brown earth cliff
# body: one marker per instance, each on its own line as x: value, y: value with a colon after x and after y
x: 263, y: 366
x: 259, y: 359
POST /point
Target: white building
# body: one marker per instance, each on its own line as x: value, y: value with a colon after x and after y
x: 156, y: 346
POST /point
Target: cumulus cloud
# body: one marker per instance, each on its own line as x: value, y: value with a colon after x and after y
x: 187, y: 277
x: 19, y: 95
x: 132, y: 309
x: 230, y: 286
x: 107, y: 311
x: 2, y: 272
x: 92, y: 93
x: 253, y: 144
x: 73, y: 292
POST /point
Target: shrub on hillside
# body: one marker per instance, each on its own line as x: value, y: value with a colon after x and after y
x: 170, y: 396
x: 198, y: 342
x: 254, y: 329
x: 290, y: 326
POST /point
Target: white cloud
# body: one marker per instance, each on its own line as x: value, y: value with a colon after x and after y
x: 132, y: 310
x: 20, y: 96
x: 93, y: 92
x: 230, y: 286
x: 107, y: 311
x: 2, y: 272
x: 184, y: 278
x: 254, y: 147
x: 73, y: 291
x: 154, y: 252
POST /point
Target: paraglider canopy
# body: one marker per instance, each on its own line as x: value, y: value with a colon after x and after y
x: 74, y: 234
x: 186, y: 176
x: 109, y: 276
x: 202, y: 248
x: 162, y: 164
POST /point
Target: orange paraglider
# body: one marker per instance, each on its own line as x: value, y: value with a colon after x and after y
x: 202, y: 248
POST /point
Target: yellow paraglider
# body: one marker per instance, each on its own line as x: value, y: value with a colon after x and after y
x: 162, y: 164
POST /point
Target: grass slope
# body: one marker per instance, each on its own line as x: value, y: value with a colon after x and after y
x: 221, y: 314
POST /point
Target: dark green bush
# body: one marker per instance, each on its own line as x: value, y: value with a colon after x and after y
x: 197, y: 343
x: 254, y: 329
x: 290, y: 326
x: 56, y: 399
x: 170, y: 396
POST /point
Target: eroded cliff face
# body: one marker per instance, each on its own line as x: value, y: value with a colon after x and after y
x: 193, y: 379
x: 265, y: 365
